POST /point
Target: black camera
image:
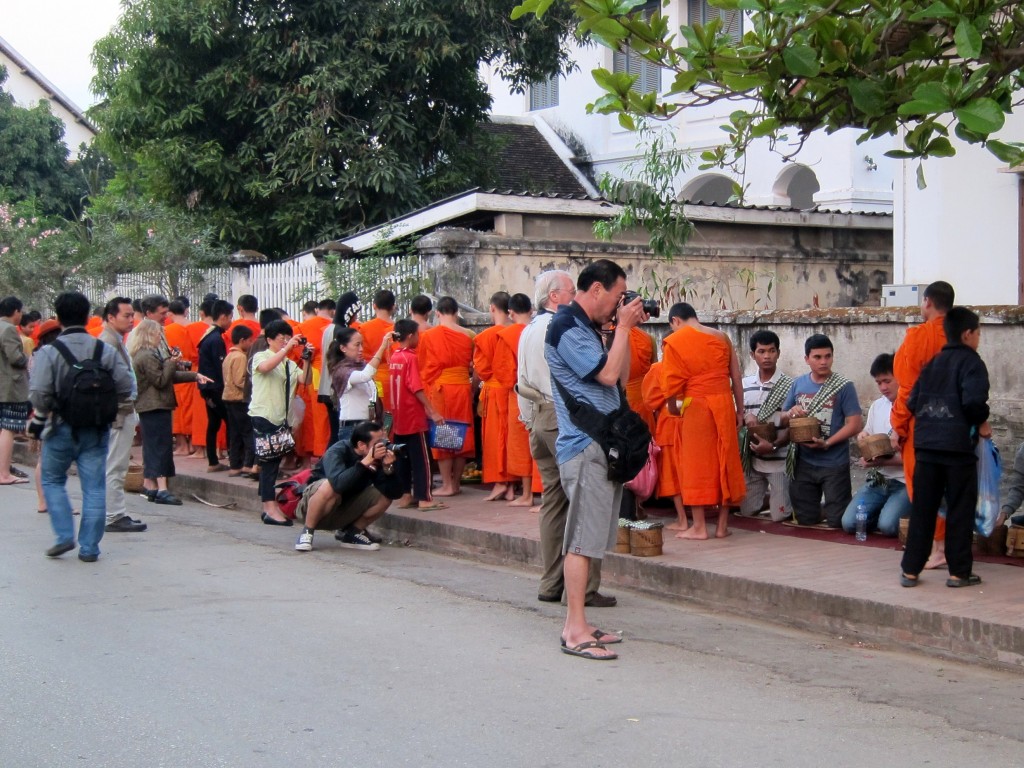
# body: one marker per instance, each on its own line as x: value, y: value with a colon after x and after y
x: 651, y: 307
x: 399, y: 449
x: 301, y: 341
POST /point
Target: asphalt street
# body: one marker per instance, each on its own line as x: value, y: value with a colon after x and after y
x: 208, y: 641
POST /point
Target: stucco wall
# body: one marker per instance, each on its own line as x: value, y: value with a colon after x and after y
x: 725, y: 265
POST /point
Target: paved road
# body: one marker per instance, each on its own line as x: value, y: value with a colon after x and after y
x: 207, y: 641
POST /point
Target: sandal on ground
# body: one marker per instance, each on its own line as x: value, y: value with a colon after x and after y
x: 970, y: 581
x: 908, y: 581
x: 599, y: 633
x: 583, y: 651
x: 430, y: 508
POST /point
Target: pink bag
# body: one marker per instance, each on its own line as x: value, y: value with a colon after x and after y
x: 646, y: 481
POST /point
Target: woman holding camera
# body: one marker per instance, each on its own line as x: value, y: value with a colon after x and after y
x: 352, y: 378
x: 274, y: 380
x: 157, y: 370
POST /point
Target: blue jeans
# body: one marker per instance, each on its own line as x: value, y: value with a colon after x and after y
x: 88, y: 449
x: 885, y: 506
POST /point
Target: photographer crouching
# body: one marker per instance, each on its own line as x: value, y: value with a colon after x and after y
x: 351, y: 486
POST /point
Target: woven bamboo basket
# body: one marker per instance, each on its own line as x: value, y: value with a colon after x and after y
x: 876, y: 447
x: 904, y: 527
x: 133, y: 480
x: 645, y: 542
x: 1015, y: 541
x: 622, y: 541
x: 764, y: 431
x: 804, y: 429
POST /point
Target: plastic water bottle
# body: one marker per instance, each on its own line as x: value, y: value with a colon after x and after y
x: 862, y: 523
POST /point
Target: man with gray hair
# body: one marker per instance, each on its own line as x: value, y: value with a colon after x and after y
x: 536, y: 405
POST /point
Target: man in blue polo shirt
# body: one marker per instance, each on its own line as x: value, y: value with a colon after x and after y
x: 581, y: 365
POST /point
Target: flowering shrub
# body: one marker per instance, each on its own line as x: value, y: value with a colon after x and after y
x: 37, y: 257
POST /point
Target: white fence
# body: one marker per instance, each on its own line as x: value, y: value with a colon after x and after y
x: 287, y: 285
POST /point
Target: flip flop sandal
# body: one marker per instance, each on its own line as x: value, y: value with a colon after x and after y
x: 583, y: 651
x: 598, y: 634
x: 909, y: 581
x: 431, y: 508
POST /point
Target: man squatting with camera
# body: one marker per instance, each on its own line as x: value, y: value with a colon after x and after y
x: 351, y: 486
x: 591, y: 374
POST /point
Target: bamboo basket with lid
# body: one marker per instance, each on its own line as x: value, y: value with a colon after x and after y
x: 804, y: 429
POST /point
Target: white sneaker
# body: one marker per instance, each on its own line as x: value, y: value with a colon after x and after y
x: 305, y: 542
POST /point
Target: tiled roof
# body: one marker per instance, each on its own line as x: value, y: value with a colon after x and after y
x: 527, y: 162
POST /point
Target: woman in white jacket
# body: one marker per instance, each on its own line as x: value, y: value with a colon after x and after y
x: 352, y: 378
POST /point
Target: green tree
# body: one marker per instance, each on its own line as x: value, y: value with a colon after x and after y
x: 34, y: 161
x: 881, y: 66
x: 288, y: 122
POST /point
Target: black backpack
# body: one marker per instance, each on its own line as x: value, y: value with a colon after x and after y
x: 87, y: 397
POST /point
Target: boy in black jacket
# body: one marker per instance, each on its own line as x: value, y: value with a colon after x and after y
x: 950, y: 407
x: 351, y: 486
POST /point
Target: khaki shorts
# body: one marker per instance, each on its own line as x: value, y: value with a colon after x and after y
x: 592, y: 521
x: 344, y: 512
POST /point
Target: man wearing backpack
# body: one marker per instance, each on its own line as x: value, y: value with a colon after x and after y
x: 74, y: 389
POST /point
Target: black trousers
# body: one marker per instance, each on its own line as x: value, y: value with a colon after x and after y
x: 959, y: 484
x: 215, y: 416
x: 414, y: 466
x: 332, y: 419
x: 241, y: 449
x: 268, y: 469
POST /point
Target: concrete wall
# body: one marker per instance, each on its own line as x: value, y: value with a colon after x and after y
x: 725, y: 265
x: 27, y: 93
x: 859, y: 335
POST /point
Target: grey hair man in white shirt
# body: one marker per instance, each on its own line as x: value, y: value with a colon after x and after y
x: 553, y: 289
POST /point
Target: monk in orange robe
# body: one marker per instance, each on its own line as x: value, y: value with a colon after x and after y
x: 373, y: 332
x: 506, y: 370
x: 317, y: 415
x: 641, y: 357
x: 95, y: 327
x: 700, y: 368
x: 177, y: 335
x: 668, y: 436
x: 921, y: 344
x: 445, y: 356
x: 196, y: 331
x: 493, y: 406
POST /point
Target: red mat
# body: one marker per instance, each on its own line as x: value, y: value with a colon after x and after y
x: 765, y: 525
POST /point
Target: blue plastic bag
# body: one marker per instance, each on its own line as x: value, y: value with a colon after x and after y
x: 990, y: 470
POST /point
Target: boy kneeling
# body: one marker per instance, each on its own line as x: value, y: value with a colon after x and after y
x: 351, y: 486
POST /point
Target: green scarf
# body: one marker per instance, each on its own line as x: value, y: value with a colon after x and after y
x: 776, y: 397
x: 830, y: 387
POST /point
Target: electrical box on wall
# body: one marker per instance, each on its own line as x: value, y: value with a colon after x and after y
x: 902, y: 295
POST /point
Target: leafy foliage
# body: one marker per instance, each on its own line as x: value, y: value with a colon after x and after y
x: 884, y: 67
x: 288, y: 122
x: 34, y: 161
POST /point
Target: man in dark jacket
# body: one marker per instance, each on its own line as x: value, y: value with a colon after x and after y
x: 351, y: 486
x: 950, y: 407
x: 211, y: 365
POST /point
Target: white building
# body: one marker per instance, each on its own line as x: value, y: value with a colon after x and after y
x: 28, y: 86
x: 967, y: 212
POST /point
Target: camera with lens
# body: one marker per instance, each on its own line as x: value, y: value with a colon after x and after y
x: 651, y: 307
x: 301, y: 341
x: 399, y: 449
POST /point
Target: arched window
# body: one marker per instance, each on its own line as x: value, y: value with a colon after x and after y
x: 710, y: 189
x: 798, y: 185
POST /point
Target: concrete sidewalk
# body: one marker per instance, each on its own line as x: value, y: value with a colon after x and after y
x: 841, y: 589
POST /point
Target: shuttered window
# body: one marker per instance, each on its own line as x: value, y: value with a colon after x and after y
x: 544, y: 94
x: 699, y: 12
x: 648, y: 73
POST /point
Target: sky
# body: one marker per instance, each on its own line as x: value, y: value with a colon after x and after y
x: 56, y: 37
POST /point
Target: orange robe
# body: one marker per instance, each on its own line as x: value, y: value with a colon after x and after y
x: 667, y: 434
x: 494, y: 399
x: 177, y: 335
x: 921, y: 344
x: 445, y: 357
x: 695, y: 369
x: 318, y: 435
x: 373, y: 333
x: 94, y: 326
x: 252, y: 325
x: 506, y: 371
x: 641, y: 357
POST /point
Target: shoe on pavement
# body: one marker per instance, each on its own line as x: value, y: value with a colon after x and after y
x: 371, y: 536
x: 88, y: 558
x: 59, y: 549
x: 549, y: 598
x: 352, y: 538
x: 217, y: 468
x: 304, y: 542
x: 166, y: 497
x: 597, y: 600
x: 125, y: 525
